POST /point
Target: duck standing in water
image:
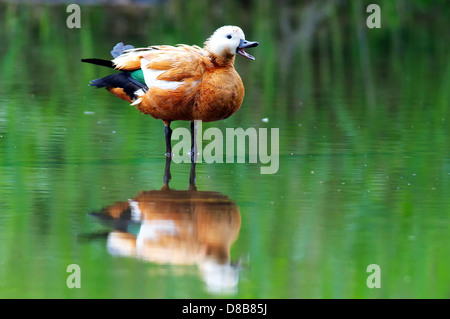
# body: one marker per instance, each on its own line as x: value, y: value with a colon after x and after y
x: 180, y: 82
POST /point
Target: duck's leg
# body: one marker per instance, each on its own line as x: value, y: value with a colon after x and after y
x: 192, y: 177
x: 168, y: 134
x: 167, y: 175
x: 194, y: 150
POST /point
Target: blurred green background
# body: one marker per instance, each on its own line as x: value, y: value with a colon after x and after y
x: 364, y: 174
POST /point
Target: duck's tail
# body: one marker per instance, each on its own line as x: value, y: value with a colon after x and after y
x: 118, y: 49
x: 126, y: 85
x: 101, y: 62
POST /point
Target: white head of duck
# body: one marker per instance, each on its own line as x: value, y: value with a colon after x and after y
x: 227, y: 41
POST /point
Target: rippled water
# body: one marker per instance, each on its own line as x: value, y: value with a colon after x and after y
x: 364, y: 165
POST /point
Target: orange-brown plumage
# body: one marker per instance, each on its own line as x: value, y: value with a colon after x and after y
x: 210, y: 95
x: 120, y: 93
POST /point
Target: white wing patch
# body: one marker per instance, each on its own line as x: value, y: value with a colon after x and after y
x: 136, y: 213
x: 138, y: 101
x: 139, y: 93
x: 150, y: 76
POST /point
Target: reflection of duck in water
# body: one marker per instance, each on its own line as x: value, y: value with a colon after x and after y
x: 179, y: 228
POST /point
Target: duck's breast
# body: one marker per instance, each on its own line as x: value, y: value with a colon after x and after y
x: 221, y: 95
x: 171, y: 104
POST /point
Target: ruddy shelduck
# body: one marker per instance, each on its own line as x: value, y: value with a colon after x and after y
x: 180, y: 82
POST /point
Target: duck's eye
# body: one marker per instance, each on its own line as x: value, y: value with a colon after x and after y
x: 229, y: 36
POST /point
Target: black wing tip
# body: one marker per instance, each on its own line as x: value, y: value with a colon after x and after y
x: 100, y: 83
x: 121, y: 80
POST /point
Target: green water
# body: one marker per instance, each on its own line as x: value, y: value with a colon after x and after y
x: 364, y: 165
